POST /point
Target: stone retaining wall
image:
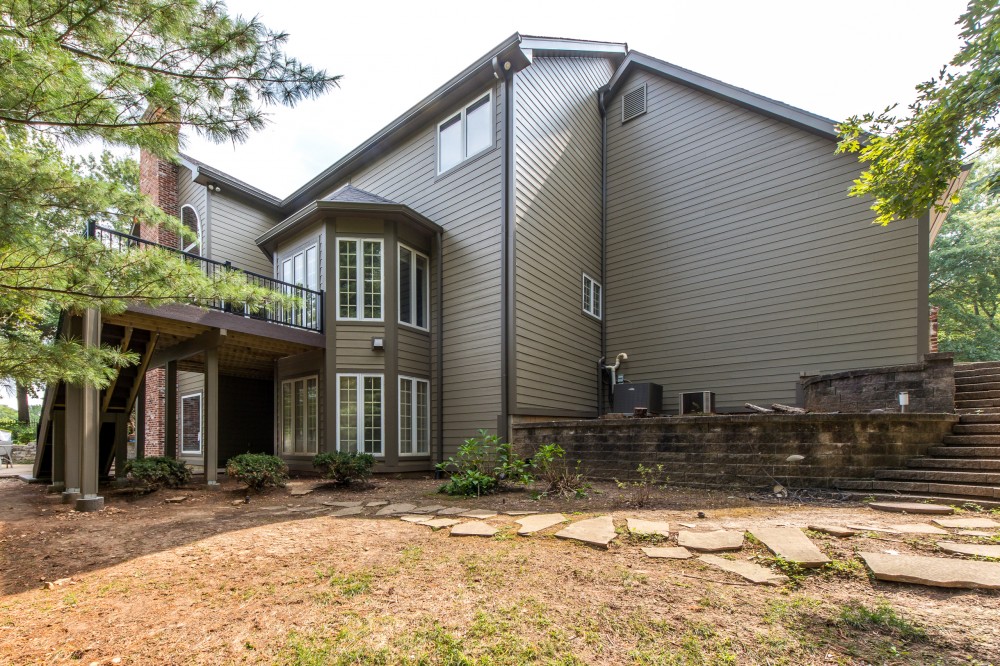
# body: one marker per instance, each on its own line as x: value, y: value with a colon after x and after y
x: 742, y: 450
x: 24, y: 454
x: 930, y: 383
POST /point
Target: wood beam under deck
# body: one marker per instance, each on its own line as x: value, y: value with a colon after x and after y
x: 110, y: 390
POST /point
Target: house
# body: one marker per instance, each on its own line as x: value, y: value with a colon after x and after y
x: 557, y: 202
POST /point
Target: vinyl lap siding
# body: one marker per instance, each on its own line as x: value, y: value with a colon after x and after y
x: 414, y: 353
x: 558, y: 207
x: 735, y: 259
x: 466, y: 202
x: 233, y: 227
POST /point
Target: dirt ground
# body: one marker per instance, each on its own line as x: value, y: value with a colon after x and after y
x: 207, y: 581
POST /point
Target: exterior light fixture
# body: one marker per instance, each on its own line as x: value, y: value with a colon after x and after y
x: 378, y: 343
x: 904, y: 400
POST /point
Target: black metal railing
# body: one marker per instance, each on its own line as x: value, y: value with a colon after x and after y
x: 307, y: 313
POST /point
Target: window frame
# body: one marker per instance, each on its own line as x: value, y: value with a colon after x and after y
x: 360, y: 277
x: 359, y: 397
x: 201, y: 425
x: 598, y: 312
x: 305, y: 427
x: 200, y: 244
x: 413, y: 288
x: 462, y: 113
x: 299, y: 315
x: 413, y: 382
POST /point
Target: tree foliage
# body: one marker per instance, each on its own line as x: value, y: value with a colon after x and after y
x: 911, y: 158
x: 129, y: 74
x: 965, y: 269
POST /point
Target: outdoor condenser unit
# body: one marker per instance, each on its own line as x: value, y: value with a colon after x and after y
x: 697, y: 402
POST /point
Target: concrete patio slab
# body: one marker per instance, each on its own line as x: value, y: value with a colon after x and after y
x: 536, y: 523
x: 934, y: 571
x: 748, y: 570
x: 792, y: 544
x: 711, y: 542
x: 597, y: 532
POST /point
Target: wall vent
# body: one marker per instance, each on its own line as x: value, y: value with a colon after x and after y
x: 634, y: 103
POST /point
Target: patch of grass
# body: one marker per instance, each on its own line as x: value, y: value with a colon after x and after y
x: 411, y: 554
x: 882, y: 618
x: 348, y: 585
x: 796, y: 573
x: 845, y: 568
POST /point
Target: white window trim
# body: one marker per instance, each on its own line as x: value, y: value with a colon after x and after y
x: 201, y: 423
x: 413, y: 427
x: 413, y: 289
x: 462, y: 112
x: 583, y: 297
x: 198, y: 232
x: 360, y: 276
x: 360, y: 397
x: 281, y: 415
x: 299, y: 316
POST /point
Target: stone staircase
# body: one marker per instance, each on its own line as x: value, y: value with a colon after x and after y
x: 967, y: 464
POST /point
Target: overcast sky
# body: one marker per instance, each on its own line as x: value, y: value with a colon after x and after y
x: 832, y: 58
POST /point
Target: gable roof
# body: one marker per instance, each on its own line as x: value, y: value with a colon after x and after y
x: 351, y: 194
x: 802, y: 119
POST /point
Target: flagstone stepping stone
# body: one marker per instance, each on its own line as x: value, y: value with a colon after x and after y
x: 934, y: 571
x: 598, y: 531
x: 792, y: 544
x: 536, y: 523
x: 299, y: 492
x: 669, y: 553
x: 978, y: 549
x: 348, y: 511
x: 639, y: 526
x: 176, y: 500
x: 413, y: 517
x: 473, y: 528
x: 377, y: 503
x: 478, y: 513
x: 975, y: 533
x: 343, y: 504
x: 520, y: 513
x: 438, y: 523
x: 271, y: 508
x: 748, y: 570
x: 834, y: 530
x: 431, y: 508
x: 970, y: 523
x: 393, y: 509
x: 452, y: 511
x: 918, y: 528
x: 913, y: 507
x: 872, y: 528
x: 711, y: 542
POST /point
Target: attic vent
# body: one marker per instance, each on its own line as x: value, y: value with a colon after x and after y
x: 634, y: 103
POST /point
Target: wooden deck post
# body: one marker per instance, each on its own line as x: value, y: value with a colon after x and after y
x: 210, y: 438
x: 90, y: 420
x: 58, y: 453
x: 121, y: 446
x: 170, y: 412
x: 140, y: 420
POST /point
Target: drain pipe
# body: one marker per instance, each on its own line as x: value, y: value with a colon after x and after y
x: 602, y: 107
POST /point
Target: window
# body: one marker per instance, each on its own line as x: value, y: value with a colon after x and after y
x: 466, y: 133
x: 300, y: 415
x: 591, y: 296
x: 191, y: 424
x: 413, y: 287
x: 414, y: 416
x: 359, y: 413
x: 189, y: 218
x: 359, y: 279
x: 301, y: 267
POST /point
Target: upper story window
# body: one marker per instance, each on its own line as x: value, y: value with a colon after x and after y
x: 413, y: 287
x: 591, y: 296
x: 466, y: 133
x: 359, y: 279
x: 190, y: 220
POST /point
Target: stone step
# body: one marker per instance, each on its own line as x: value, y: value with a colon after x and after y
x: 976, y: 429
x: 978, y: 411
x: 979, y: 418
x: 976, y: 378
x: 960, y: 464
x: 964, y: 451
x: 977, y: 404
x: 966, y: 396
x: 890, y: 496
x: 977, y: 365
x: 939, y: 476
x: 972, y: 440
x: 952, y: 490
x: 963, y: 389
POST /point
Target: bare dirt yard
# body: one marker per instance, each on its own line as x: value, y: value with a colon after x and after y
x: 281, y: 581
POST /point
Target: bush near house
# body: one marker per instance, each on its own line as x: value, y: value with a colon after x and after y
x: 258, y: 470
x: 157, y: 471
x: 342, y: 467
x: 20, y: 433
x: 483, y: 465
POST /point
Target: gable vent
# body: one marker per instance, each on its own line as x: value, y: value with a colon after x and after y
x: 634, y: 103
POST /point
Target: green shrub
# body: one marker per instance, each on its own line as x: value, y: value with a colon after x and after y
x: 258, y: 470
x: 342, y: 467
x: 555, y: 472
x: 638, y: 491
x: 20, y: 433
x: 157, y: 471
x: 482, y: 465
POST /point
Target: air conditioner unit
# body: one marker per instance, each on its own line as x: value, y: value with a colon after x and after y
x: 696, y: 402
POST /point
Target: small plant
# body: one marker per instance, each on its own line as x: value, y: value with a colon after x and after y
x: 882, y: 618
x: 157, y: 471
x: 258, y: 470
x: 638, y: 491
x: 342, y: 467
x: 483, y: 463
x: 553, y: 470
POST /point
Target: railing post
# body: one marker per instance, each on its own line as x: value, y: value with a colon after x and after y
x: 92, y: 229
x: 227, y: 266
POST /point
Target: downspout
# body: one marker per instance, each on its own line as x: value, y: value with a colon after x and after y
x: 602, y: 107
x: 439, y: 389
x: 502, y: 73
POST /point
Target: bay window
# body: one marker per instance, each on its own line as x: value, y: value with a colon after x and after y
x: 359, y: 413
x: 413, y: 287
x: 359, y: 279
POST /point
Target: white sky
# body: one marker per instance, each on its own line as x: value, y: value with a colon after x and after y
x: 832, y: 58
